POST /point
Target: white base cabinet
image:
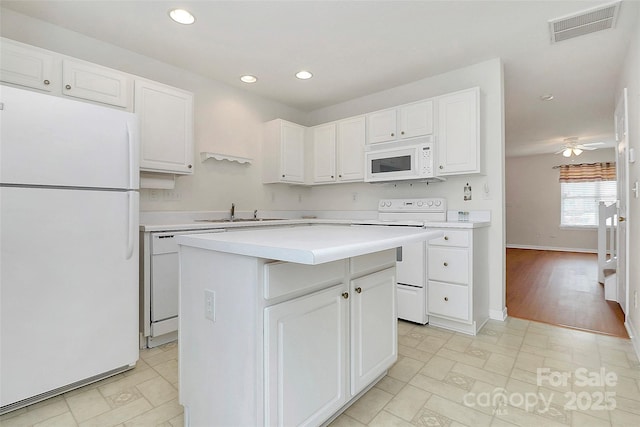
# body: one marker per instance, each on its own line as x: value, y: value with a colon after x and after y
x: 288, y: 344
x: 457, y: 276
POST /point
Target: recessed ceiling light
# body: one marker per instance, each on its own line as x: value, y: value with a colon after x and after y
x: 182, y: 16
x: 304, y: 75
x: 249, y: 78
x: 547, y: 97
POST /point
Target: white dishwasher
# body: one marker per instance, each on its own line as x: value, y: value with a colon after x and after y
x: 159, y: 315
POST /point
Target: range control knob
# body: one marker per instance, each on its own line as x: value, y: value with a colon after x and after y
x: 420, y: 203
x: 438, y: 202
x: 430, y: 203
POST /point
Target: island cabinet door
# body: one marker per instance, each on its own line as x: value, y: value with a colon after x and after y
x: 306, y: 358
x: 374, y: 332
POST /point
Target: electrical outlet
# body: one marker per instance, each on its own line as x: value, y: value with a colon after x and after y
x: 210, y: 305
x: 635, y: 299
x: 354, y: 197
x: 172, y: 195
x: 154, y: 195
x: 299, y: 198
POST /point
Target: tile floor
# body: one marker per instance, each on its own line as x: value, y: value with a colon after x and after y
x: 441, y: 379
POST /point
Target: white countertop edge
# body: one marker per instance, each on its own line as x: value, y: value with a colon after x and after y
x: 280, y: 252
x: 217, y: 225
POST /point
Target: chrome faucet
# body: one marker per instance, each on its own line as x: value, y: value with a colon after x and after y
x: 255, y: 214
x: 233, y: 211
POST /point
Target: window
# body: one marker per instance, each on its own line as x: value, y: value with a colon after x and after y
x: 579, y: 202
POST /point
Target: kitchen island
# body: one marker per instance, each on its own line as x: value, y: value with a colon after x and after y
x: 286, y: 326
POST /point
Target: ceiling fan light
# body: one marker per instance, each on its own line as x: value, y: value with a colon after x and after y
x: 577, y: 151
x: 567, y: 152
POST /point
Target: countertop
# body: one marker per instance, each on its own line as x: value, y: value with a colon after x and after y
x: 309, y: 245
x: 205, y: 225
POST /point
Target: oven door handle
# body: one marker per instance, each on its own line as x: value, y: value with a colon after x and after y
x: 399, y: 254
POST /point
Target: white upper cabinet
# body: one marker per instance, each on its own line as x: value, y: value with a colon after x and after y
x: 28, y: 66
x: 324, y: 153
x: 96, y: 83
x: 459, y: 133
x: 36, y: 68
x: 166, y: 127
x: 283, y: 152
x: 381, y: 126
x: 405, y: 121
x: 338, y: 151
x: 351, y: 142
x: 416, y: 119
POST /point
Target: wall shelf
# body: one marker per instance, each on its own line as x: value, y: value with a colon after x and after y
x: 204, y: 155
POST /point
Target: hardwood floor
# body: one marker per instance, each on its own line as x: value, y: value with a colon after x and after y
x: 560, y: 288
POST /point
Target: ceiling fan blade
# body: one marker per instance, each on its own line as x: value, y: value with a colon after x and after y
x: 585, y: 147
x: 589, y: 144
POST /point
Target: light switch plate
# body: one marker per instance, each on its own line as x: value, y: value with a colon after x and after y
x: 210, y: 305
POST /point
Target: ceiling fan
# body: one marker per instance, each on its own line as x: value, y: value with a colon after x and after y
x: 571, y: 146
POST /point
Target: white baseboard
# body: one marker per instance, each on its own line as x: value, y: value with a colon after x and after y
x: 633, y: 334
x: 500, y: 315
x: 552, y: 248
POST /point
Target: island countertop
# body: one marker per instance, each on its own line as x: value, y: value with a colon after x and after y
x: 315, y: 244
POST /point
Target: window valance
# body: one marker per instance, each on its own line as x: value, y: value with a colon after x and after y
x: 588, y: 172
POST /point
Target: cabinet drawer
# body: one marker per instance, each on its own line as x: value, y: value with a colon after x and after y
x: 282, y: 278
x: 448, y: 300
x: 373, y: 262
x: 448, y: 265
x: 458, y: 238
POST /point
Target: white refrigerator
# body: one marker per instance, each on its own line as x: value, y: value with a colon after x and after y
x: 68, y: 244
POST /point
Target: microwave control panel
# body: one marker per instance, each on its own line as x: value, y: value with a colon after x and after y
x: 426, y: 160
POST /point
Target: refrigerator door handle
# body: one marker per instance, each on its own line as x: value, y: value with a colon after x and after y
x: 132, y: 222
x: 132, y: 142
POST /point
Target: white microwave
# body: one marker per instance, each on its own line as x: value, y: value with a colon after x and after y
x: 401, y: 161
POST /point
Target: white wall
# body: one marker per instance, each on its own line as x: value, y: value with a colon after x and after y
x: 229, y: 120
x: 533, y: 202
x: 630, y: 78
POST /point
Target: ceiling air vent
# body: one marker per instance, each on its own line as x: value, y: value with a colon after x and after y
x: 589, y: 21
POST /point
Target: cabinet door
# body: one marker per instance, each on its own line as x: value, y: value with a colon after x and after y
x: 381, y: 126
x: 305, y: 353
x: 374, y: 335
x: 292, y: 153
x: 166, y: 127
x: 351, y: 142
x: 95, y: 83
x: 459, y: 135
x: 26, y: 66
x: 324, y: 153
x: 416, y: 120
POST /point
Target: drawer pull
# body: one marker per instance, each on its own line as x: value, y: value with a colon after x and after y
x: 446, y: 298
x: 446, y: 237
x: 345, y: 295
x: 446, y: 264
x: 67, y: 87
x: 359, y: 289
